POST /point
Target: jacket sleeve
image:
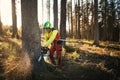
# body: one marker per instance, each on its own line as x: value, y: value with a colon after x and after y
x: 46, y: 35
x: 51, y: 39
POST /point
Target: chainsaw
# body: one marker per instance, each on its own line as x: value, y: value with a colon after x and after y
x: 44, y: 53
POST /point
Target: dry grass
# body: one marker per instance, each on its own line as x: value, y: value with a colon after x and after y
x: 106, y: 48
x: 7, y: 31
x: 73, y: 56
x: 16, y: 64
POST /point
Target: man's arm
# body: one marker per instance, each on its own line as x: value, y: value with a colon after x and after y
x: 52, y: 37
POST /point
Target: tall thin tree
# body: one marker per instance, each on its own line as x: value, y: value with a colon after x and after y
x: 71, y: 19
x: 82, y: 9
x: 63, y: 20
x: 1, y: 31
x: 14, y: 20
x: 96, y: 28
x: 55, y: 6
x: 105, y: 21
x: 92, y: 21
x: 42, y: 12
x: 48, y: 10
x: 78, y: 19
x: 68, y: 16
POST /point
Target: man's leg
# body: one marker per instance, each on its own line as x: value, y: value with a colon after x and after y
x: 59, y: 55
x: 52, y: 50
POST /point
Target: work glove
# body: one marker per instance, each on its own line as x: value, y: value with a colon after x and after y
x: 44, y: 49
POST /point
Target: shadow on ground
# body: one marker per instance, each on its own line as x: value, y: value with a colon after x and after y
x: 88, y: 66
x: 91, y: 67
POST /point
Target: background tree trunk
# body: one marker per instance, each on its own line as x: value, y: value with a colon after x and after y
x: 82, y: 26
x: 48, y: 10
x: 119, y: 31
x: 55, y: 14
x: 1, y: 31
x: 71, y: 20
x: 63, y: 20
x: 96, y: 30
x: 14, y: 21
x: 105, y: 22
x: 78, y: 20
x: 92, y: 22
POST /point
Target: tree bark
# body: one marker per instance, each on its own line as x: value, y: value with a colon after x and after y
x: 79, y: 36
x: 71, y: 20
x: 82, y: 26
x: 96, y: 30
x: 76, y: 21
x: 55, y: 14
x: 14, y: 21
x: 31, y: 34
x: 1, y: 31
x: 48, y: 10
x: 63, y: 20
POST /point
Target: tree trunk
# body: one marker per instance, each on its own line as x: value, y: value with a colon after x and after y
x: 42, y: 12
x: 55, y: 14
x: 14, y: 21
x: 31, y: 34
x: 63, y: 20
x: 79, y: 36
x: 87, y: 19
x: 105, y: 23
x: 76, y: 21
x: 68, y: 5
x: 71, y: 20
x: 48, y: 10
x: 92, y: 22
x: 82, y: 19
x: 68, y: 17
x: 96, y: 30
x: 119, y: 31
x: 1, y: 31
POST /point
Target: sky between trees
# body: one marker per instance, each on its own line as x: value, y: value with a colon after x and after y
x: 6, y: 11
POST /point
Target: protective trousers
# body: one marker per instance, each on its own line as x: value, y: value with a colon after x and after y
x: 55, y: 47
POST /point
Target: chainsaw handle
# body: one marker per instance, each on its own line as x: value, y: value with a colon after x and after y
x: 45, y: 48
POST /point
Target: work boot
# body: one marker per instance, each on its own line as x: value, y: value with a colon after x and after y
x: 54, y: 63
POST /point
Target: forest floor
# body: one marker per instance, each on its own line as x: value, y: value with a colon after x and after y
x: 81, y: 61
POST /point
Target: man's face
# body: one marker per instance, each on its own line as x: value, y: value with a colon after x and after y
x: 48, y: 30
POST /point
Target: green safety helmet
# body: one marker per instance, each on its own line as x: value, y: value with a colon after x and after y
x: 47, y: 25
